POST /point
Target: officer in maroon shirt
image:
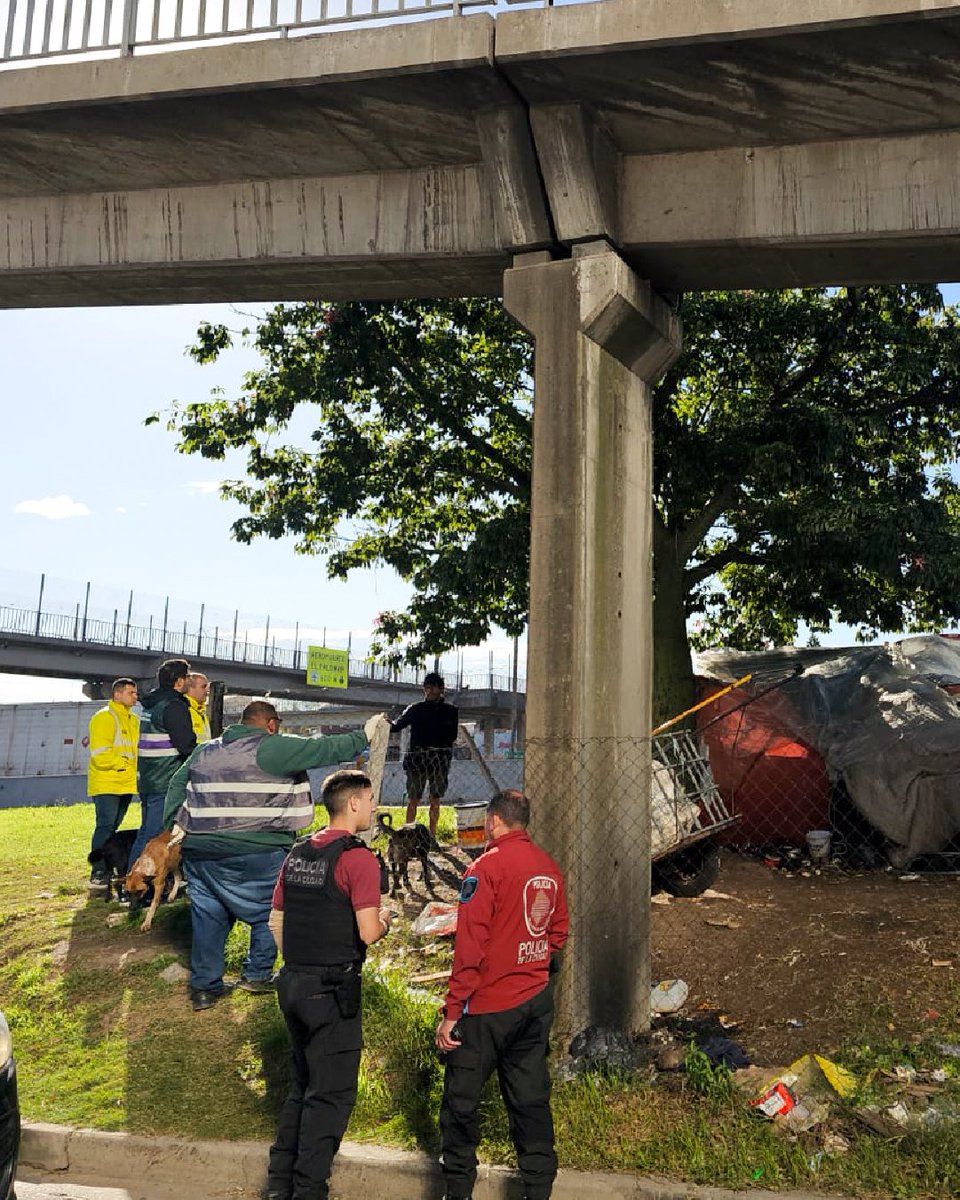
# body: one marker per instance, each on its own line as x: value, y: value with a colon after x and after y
x: 512, y: 922
x: 326, y: 912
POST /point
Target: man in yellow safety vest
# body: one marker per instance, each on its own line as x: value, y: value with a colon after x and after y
x: 112, y: 770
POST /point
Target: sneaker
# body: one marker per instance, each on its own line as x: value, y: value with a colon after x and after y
x: 201, y: 998
x: 259, y: 987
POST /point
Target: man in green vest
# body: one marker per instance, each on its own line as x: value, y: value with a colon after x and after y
x: 166, y: 740
x: 240, y: 800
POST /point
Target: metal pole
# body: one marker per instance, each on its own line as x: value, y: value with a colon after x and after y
x: 128, y: 37
x: 183, y: 637
x: 216, y: 640
x: 200, y: 631
x: 126, y: 640
x: 166, y: 613
x: 233, y: 648
x: 86, y: 609
x: 76, y: 623
x: 43, y: 580
x: 296, y: 646
x: 515, y: 701
x: 490, y: 669
x: 113, y: 639
x: 266, y: 640
x: 150, y: 634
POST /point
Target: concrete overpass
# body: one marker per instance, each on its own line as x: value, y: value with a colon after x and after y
x: 750, y: 143
x: 586, y: 162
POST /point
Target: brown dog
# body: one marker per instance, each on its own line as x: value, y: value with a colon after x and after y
x: 160, y: 858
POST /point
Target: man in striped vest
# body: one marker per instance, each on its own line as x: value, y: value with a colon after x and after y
x: 166, y: 741
x: 241, y: 800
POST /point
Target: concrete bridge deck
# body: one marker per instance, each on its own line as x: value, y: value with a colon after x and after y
x: 749, y: 143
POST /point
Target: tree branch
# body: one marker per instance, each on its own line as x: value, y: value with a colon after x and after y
x: 724, y: 558
x: 695, y: 530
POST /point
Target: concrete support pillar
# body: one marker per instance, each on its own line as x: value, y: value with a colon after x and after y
x: 489, y: 730
x: 601, y: 337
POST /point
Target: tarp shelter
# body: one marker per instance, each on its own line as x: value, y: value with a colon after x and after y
x: 880, y: 721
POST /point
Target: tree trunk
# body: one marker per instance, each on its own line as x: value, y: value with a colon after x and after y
x: 674, y: 689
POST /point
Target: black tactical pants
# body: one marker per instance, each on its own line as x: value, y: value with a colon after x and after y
x: 515, y: 1044
x: 323, y: 1091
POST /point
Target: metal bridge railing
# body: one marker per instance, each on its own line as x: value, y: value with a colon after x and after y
x: 219, y: 646
x: 37, y: 29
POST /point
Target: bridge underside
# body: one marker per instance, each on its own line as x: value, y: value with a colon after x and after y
x: 766, y: 144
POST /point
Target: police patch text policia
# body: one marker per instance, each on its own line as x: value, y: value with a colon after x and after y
x: 326, y: 913
x: 511, y: 924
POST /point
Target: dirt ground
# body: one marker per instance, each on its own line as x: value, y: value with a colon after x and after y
x: 802, y: 963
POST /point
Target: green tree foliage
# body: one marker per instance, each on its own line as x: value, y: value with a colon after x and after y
x: 803, y: 446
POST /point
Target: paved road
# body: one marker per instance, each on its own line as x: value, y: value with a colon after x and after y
x: 63, y: 1191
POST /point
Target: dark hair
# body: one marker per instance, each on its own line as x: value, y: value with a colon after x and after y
x: 259, y: 708
x: 433, y: 680
x: 121, y: 683
x: 172, y: 670
x: 337, y: 787
x: 513, y: 809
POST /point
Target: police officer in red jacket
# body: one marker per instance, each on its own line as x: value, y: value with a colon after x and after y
x: 512, y: 922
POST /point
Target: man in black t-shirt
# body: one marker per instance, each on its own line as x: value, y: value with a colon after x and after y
x: 433, y: 730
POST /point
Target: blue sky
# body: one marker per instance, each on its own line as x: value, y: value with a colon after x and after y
x: 78, y: 385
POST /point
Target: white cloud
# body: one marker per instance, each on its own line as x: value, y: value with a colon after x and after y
x: 54, y: 508
x: 120, y: 510
x: 204, y: 487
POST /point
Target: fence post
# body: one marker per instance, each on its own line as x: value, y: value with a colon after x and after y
x: 128, y: 33
x: 166, y: 613
x: 86, y: 609
x: 126, y: 636
x: 43, y: 580
x: 200, y: 631
x: 233, y: 647
x: 113, y: 636
x: 266, y: 640
x: 296, y: 647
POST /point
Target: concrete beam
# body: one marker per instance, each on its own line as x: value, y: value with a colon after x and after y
x: 420, y: 47
x: 514, y: 178
x: 617, y: 25
x: 580, y: 168
x: 343, y: 225
x: 829, y: 212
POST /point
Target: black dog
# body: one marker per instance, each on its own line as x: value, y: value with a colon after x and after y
x: 113, y: 856
x: 405, y: 843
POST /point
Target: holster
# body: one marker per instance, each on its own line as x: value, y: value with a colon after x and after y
x: 347, y: 992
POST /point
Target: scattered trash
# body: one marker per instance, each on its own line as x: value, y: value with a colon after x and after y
x: 668, y: 995
x: 776, y: 1101
x: 44, y: 895
x: 723, y: 923
x: 722, y: 1050
x: 801, y: 1094
x: 905, y: 1074
x: 174, y: 973
x: 818, y: 843
x: 794, y: 1023
x: 710, y: 894
x: 939, y: 1075
x: 595, y: 1048
x: 115, y: 919
x: 908, y: 878
x: 661, y: 898
x: 950, y: 1050
x: 436, y: 919
x: 942, y: 962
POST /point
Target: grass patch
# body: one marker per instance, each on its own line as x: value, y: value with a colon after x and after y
x: 103, y: 1041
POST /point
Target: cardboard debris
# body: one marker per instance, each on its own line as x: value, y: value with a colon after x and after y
x: 801, y: 1094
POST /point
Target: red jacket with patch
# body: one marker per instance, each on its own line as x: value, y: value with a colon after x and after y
x: 512, y: 917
